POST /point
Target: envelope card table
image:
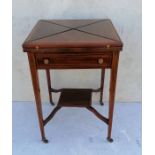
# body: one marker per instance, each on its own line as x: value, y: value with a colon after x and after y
x: 73, y: 44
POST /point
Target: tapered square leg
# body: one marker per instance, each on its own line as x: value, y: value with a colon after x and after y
x: 49, y: 86
x: 113, y: 76
x: 102, y: 85
x: 35, y: 83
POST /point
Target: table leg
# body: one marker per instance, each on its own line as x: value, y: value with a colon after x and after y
x: 102, y: 85
x: 49, y: 86
x: 35, y: 83
x: 113, y: 76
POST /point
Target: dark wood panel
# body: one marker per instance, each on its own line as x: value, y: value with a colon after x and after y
x: 75, y: 98
x: 73, y: 61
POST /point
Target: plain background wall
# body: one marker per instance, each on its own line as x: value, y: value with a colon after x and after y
x: 125, y: 15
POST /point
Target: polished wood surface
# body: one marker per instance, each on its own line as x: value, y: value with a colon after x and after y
x: 75, y: 98
x: 65, y: 61
x: 73, y: 44
x: 72, y: 33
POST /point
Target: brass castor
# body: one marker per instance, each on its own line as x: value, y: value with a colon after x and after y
x: 101, y: 103
x: 45, y: 140
x: 110, y: 140
x: 52, y: 103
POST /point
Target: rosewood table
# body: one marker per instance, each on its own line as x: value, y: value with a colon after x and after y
x: 73, y: 44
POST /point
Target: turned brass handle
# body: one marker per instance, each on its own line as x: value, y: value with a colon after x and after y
x: 100, y: 61
x: 46, y: 61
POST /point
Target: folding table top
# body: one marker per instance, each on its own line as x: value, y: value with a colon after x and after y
x: 72, y: 33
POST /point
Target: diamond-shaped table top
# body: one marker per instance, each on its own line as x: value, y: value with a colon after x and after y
x: 72, y: 33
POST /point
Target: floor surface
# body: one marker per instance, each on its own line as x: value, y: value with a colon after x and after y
x: 77, y: 131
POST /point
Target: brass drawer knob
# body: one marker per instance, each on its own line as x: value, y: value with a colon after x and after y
x: 46, y: 61
x: 100, y: 61
x: 37, y: 47
x: 108, y: 46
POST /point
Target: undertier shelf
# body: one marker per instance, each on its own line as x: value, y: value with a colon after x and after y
x: 75, y: 98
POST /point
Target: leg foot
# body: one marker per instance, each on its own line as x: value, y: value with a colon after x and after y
x: 110, y: 140
x: 44, y: 140
x: 101, y: 103
x: 52, y: 103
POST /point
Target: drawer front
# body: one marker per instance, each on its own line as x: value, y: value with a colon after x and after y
x: 73, y: 61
